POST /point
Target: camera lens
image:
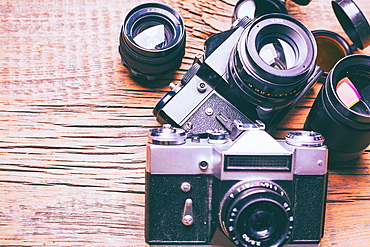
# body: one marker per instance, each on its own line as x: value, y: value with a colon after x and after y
x: 152, y: 40
x: 255, y: 8
x: 273, y: 61
x: 256, y: 213
x: 341, y: 111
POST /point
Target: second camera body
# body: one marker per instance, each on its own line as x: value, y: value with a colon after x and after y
x: 254, y: 191
x: 260, y: 70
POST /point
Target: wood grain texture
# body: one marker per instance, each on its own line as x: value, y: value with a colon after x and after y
x: 73, y: 124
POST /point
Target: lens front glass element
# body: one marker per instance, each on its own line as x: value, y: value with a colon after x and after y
x: 277, y: 53
x: 262, y: 221
x: 152, y: 33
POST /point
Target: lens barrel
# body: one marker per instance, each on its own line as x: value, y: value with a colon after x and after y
x: 152, y: 40
x: 256, y: 213
x: 345, y: 128
x: 273, y: 61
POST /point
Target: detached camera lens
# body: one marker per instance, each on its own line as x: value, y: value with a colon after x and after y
x: 152, y: 40
x: 341, y: 111
x: 273, y: 61
x: 256, y: 8
x: 257, y: 214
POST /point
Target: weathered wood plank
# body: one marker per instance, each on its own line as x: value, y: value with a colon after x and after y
x: 73, y: 123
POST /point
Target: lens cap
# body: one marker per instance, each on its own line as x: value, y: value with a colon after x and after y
x: 353, y: 22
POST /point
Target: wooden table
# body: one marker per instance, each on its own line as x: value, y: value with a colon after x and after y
x: 73, y: 124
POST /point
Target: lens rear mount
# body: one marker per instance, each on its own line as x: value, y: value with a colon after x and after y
x: 256, y: 213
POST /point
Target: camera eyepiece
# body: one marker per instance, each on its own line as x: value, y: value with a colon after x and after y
x: 273, y: 60
x: 152, y: 40
x: 256, y: 213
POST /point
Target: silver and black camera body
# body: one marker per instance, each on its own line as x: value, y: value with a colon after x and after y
x: 258, y: 70
x: 253, y: 191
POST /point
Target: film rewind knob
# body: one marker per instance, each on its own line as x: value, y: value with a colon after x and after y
x: 167, y: 135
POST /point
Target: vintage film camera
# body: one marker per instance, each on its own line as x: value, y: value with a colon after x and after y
x: 258, y: 70
x: 254, y: 191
